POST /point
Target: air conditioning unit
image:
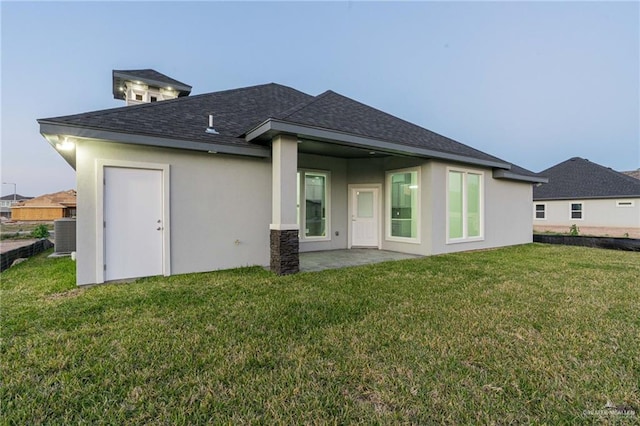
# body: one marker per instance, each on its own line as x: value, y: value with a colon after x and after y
x: 65, y: 235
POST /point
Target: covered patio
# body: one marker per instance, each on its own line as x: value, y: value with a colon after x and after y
x: 334, y: 259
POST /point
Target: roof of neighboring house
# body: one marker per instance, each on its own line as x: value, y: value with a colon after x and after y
x: 633, y: 173
x: 578, y: 178
x: 147, y: 76
x: 246, y: 118
x: 57, y: 199
x: 10, y: 197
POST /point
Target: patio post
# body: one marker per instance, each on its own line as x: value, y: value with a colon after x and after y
x: 284, y: 227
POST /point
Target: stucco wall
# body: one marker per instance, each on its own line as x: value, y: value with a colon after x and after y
x: 338, y: 169
x: 507, y: 212
x: 220, y: 206
x: 373, y: 171
x: 215, y: 201
x: 600, y: 213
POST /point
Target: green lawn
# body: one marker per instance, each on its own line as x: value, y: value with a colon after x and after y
x: 528, y: 334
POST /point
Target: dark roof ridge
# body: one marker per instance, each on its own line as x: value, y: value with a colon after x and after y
x: 302, y: 105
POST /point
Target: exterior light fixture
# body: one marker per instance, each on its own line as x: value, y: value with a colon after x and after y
x: 65, y: 144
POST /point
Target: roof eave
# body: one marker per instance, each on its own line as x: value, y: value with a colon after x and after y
x: 50, y: 129
x: 271, y: 127
x: 506, y: 174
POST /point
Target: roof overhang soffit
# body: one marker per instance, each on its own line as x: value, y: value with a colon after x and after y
x: 271, y: 127
x: 51, y: 131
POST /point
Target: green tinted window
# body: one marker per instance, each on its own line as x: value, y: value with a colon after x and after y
x: 455, y: 205
x: 404, y: 204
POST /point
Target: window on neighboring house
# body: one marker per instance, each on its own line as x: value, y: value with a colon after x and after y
x: 154, y: 99
x: 403, y: 205
x: 465, y: 205
x: 138, y: 97
x: 313, y: 191
x: 576, y: 210
x: 541, y: 211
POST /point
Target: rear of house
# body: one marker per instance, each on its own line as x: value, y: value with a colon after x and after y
x: 254, y: 176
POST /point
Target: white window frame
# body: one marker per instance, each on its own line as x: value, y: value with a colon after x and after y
x: 387, y: 207
x: 544, y: 211
x: 581, y: 210
x: 302, y: 207
x: 625, y: 204
x: 465, y: 238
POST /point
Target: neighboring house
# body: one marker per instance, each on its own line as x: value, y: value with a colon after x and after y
x: 7, y: 201
x: 253, y: 176
x: 46, y: 207
x: 633, y: 173
x: 597, y: 199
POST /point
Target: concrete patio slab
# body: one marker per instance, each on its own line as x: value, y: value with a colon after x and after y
x: 334, y: 259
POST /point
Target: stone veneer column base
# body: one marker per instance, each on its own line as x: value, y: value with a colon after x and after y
x: 284, y: 252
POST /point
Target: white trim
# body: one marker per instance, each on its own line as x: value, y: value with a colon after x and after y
x: 303, y: 197
x: 625, y: 203
x: 350, y: 188
x: 535, y: 211
x: 387, y: 208
x: 99, y: 202
x: 571, y: 203
x: 465, y: 238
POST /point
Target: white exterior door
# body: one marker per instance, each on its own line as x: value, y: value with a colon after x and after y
x: 364, y: 217
x: 133, y: 223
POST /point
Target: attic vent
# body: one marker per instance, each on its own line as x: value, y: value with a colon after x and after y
x: 210, y: 129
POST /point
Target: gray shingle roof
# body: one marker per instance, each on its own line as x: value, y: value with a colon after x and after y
x: 18, y: 197
x: 331, y: 110
x: 187, y: 118
x: 578, y: 178
x: 239, y: 110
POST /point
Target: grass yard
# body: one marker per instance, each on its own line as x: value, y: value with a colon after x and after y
x: 527, y: 334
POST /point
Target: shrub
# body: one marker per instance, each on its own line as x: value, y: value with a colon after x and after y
x: 40, y: 231
x: 574, y: 230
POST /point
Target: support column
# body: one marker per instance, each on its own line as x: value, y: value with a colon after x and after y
x: 283, y: 228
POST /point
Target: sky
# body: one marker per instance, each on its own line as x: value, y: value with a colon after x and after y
x: 533, y: 83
